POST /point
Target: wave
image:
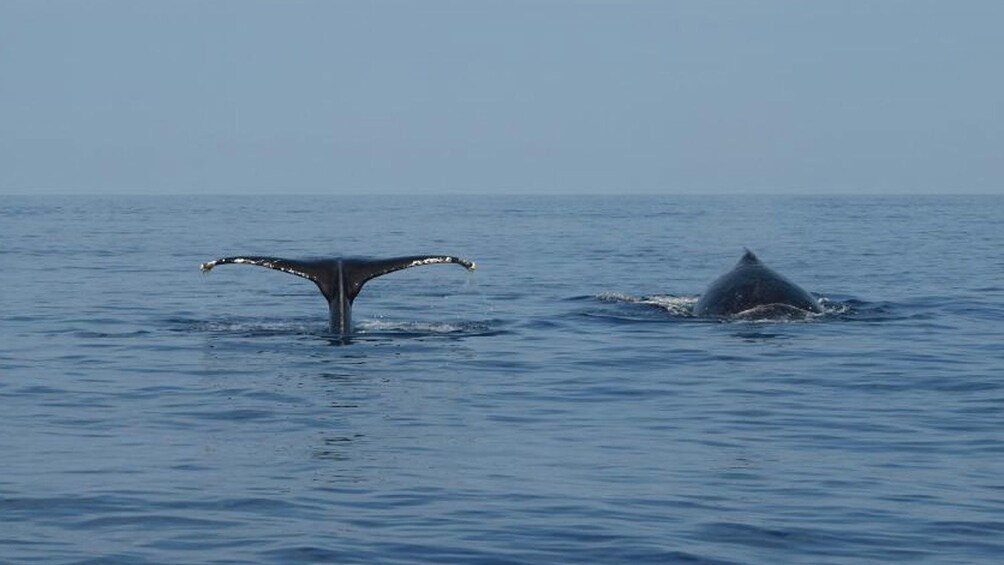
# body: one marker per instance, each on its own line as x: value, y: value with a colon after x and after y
x: 363, y: 329
x: 390, y: 328
x: 682, y: 307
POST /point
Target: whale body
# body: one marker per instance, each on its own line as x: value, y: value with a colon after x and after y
x: 752, y: 284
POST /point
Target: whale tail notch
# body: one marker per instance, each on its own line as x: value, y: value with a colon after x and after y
x: 339, y: 280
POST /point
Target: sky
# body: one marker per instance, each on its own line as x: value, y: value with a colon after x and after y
x: 507, y: 96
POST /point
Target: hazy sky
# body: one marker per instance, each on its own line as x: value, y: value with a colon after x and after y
x: 481, y: 96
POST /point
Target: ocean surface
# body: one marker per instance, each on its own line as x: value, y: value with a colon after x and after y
x: 558, y: 405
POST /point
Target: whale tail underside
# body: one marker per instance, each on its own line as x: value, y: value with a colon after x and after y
x: 358, y: 271
x: 339, y: 280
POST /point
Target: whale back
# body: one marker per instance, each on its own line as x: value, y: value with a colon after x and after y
x: 751, y: 284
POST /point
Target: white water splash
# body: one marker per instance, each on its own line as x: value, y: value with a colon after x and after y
x: 677, y: 305
x: 376, y: 326
x: 773, y: 313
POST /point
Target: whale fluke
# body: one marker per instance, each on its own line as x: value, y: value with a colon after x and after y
x: 341, y: 279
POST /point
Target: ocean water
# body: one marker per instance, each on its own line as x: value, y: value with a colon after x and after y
x: 558, y: 405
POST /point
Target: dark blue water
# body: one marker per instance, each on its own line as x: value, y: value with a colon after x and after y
x: 555, y: 406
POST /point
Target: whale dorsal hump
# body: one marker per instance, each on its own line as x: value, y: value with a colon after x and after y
x: 748, y: 257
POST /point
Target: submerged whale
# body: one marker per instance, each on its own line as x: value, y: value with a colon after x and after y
x: 752, y: 284
x: 340, y: 280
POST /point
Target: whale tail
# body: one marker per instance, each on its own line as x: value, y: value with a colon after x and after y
x: 339, y: 280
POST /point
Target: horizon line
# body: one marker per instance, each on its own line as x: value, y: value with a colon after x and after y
x: 492, y: 194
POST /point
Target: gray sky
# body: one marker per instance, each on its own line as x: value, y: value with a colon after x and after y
x: 481, y: 96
